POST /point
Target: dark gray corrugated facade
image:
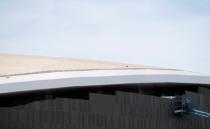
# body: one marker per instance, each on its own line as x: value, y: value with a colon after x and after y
x: 123, y: 110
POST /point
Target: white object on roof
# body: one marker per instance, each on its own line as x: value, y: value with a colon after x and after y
x: 29, y: 73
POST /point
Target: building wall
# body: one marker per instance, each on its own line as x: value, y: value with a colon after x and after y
x: 124, y: 110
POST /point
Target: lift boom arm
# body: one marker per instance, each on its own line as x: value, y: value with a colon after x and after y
x: 184, y: 106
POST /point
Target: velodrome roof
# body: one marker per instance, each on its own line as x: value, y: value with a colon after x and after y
x: 20, y: 73
x: 12, y: 65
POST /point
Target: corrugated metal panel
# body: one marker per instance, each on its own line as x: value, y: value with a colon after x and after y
x: 120, y: 111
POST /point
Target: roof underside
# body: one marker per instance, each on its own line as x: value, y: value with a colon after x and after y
x: 22, y: 64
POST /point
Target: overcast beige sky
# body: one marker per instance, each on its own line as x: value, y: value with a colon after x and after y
x: 164, y: 33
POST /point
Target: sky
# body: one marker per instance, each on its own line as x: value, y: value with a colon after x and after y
x: 163, y: 33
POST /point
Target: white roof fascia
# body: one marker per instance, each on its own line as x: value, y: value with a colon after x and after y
x: 55, y: 80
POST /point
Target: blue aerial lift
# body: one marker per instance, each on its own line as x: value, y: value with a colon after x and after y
x: 184, y: 106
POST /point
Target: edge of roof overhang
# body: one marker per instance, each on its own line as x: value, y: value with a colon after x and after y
x: 58, y: 80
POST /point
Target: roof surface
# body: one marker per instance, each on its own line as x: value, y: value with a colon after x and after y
x: 23, y: 64
x: 21, y: 73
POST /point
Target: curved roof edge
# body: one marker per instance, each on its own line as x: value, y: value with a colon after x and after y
x: 19, y: 73
x: 56, y: 80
